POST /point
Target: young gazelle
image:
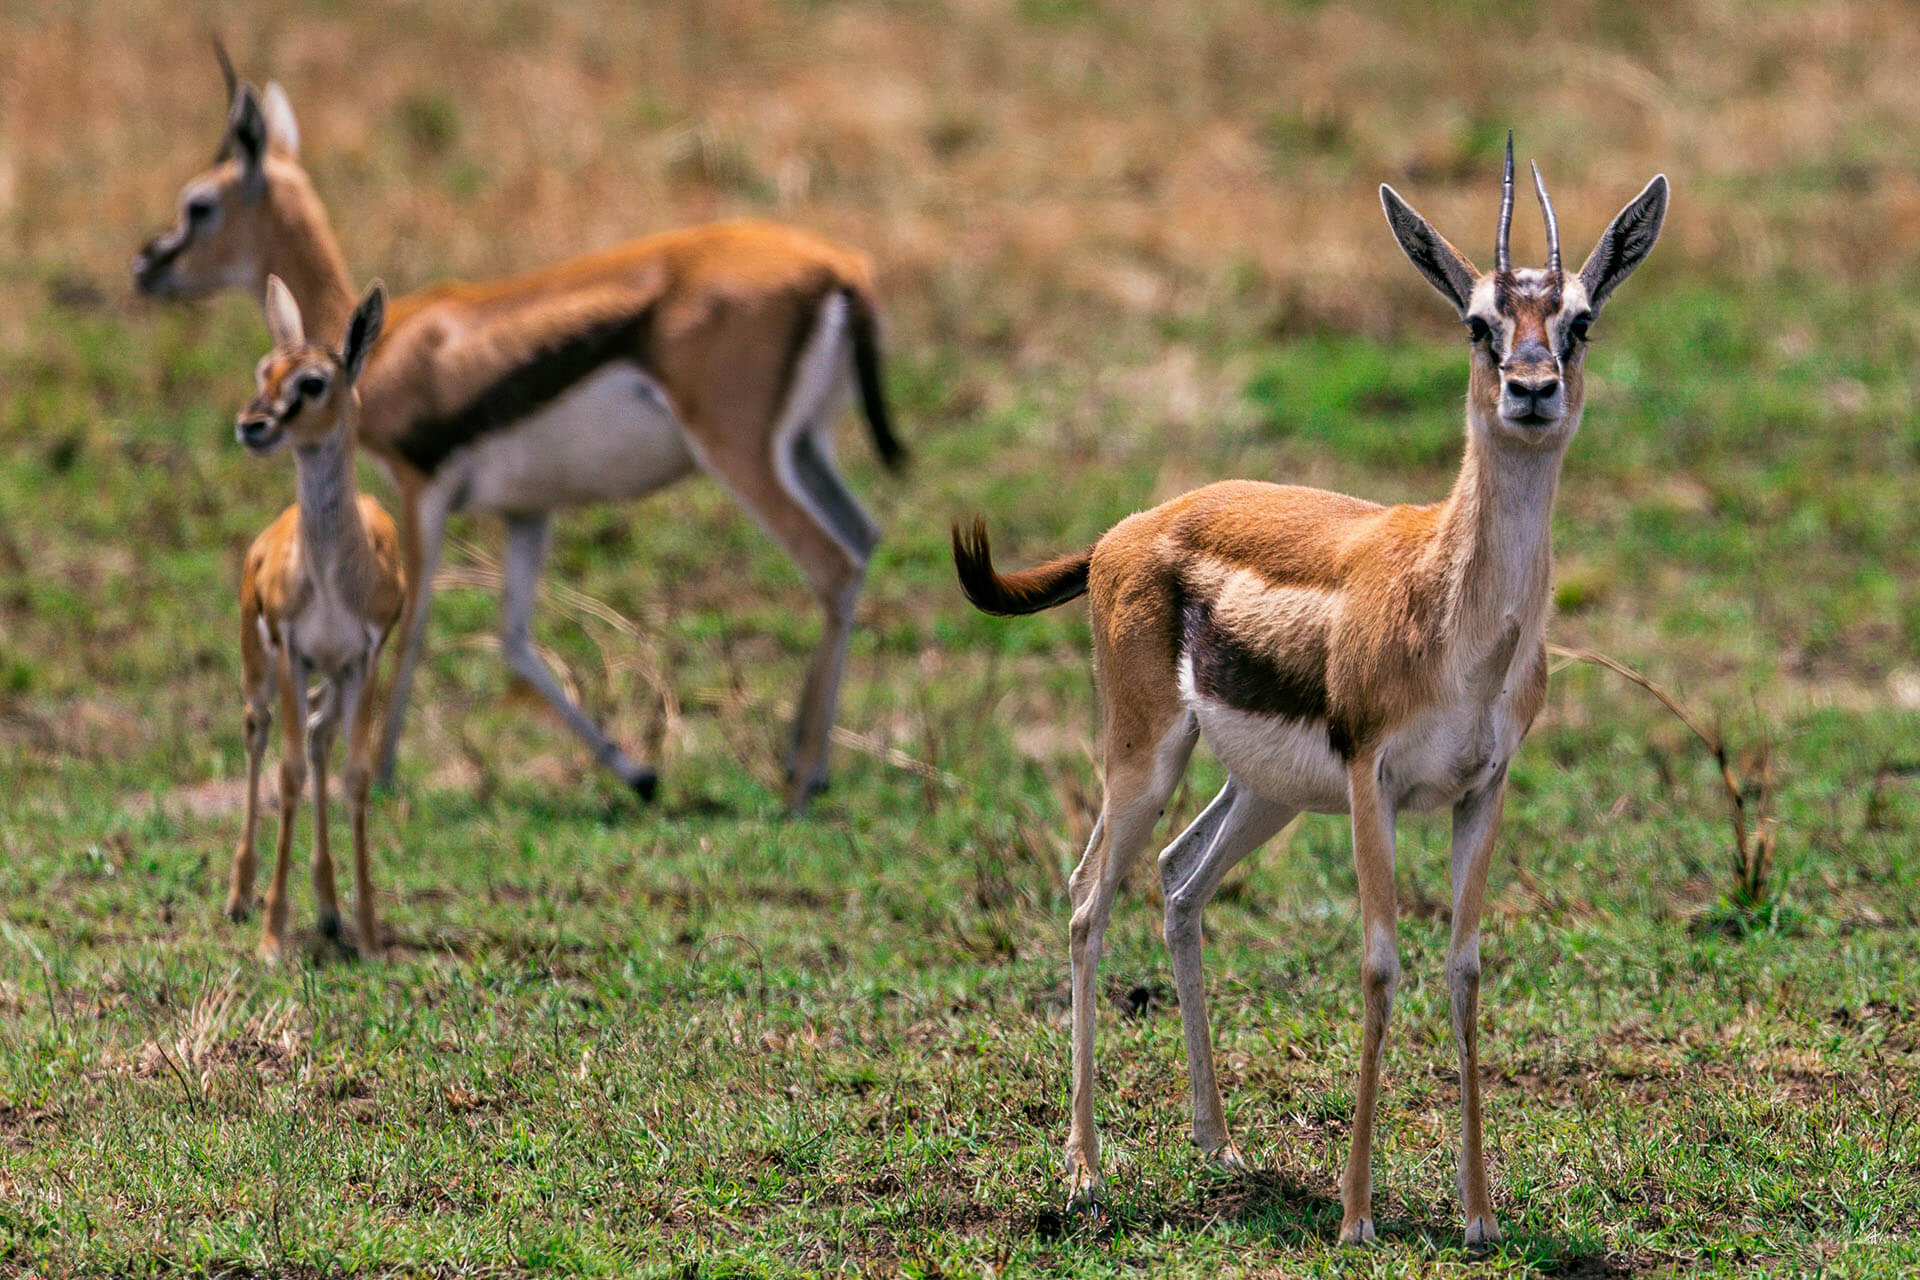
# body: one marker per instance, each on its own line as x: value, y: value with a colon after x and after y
x: 1338, y: 657
x: 320, y: 591
x: 606, y: 377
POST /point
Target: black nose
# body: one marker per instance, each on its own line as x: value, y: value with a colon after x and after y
x: 1533, y: 388
x: 253, y: 430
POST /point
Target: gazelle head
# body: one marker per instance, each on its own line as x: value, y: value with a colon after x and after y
x: 307, y: 391
x: 223, y: 231
x: 1529, y: 327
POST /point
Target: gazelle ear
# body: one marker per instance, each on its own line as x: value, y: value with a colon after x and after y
x: 283, y: 131
x: 247, y: 139
x: 1626, y: 242
x: 283, y: 317
x: 363, y: 330
x: 1444, y: 266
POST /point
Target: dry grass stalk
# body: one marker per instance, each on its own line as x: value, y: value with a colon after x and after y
x: 737, y: 701
x: 1749, y: 805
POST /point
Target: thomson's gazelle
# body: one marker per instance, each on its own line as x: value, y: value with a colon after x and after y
x: 1337, y: 656
x: 319, y: 593
x: 729, y: 348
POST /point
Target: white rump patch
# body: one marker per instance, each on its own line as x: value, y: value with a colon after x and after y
x: 813, y: 402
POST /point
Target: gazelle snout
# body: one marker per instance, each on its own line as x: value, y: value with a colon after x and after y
x: 1531, y: 391
x: 259, y: 432
x: 153, y: 265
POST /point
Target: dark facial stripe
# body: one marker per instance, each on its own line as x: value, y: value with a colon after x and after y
x: 544, y: 377
x: 1224, y: 670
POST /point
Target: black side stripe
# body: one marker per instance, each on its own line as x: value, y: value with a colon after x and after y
x: 547, y: 374
x: 1224, y: 670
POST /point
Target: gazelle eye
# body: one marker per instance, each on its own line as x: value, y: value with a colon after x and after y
x: 1577, y: 328
x: 310, y: 387
x: 200, y: 208
x: 1479, y: 329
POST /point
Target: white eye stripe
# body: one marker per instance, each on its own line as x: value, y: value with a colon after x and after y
x: 309, y: 382
x: 199, y: 205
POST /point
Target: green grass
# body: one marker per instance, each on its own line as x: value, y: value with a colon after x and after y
x: 704, y: 1040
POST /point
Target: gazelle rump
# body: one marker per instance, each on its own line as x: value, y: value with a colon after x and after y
x: 320, y: 592
x: 727, y: 347
x: 1338, y: 657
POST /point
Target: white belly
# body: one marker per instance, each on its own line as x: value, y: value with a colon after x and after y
x: 611, y: 438
x: 1287, y: 761
x: 1429, y: 764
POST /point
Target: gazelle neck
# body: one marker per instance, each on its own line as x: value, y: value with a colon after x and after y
x: 302, y: 251
x: 333, y: 544
x: 1498, y: 530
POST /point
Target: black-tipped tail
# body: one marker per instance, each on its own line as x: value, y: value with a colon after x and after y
x: 1010, y: 594
x: 865, y: 330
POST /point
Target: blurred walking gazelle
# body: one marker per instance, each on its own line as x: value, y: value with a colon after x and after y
x: 1338, y: 657
x: 319, y: 593
x: 729, y: 347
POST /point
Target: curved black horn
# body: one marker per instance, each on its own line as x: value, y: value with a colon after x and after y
x: 1501, y: 259
x: 226, y: 68
x: 1553, y: 223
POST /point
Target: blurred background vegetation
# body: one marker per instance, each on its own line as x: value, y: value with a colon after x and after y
x: 1131, y: 236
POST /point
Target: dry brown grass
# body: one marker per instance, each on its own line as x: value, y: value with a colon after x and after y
x: 1016, y: 167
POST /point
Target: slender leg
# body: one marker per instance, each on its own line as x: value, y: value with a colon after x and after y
x: 805, y: 471
x: 360, y: 722
x: 258, y: 724
x: 775, y: 453
x: 1138, y: 784
x: 423, y: 531
x: 1476, y: 820
x: 1191, y: 869
x: 1379, y: 970
x: 834, y: 573
x: 813, y: 719
x: 815, y: 481
x: 812, y: 482
x: 320, y: 733
x: 528, y: 537
x: 293, y: 776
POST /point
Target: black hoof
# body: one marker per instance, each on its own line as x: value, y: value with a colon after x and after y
x: 330, y: 927
x: 798, y: 798
x: 643, y: 782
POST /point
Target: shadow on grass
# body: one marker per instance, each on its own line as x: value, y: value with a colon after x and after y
x: 1262, y: 1201
x: 1288, y: 1214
